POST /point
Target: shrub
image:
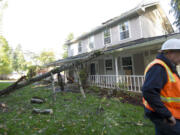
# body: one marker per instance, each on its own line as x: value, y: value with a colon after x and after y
x: 94, y: 88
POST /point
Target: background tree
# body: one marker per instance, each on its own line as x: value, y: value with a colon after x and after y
x: 46, y: 57
x: 5, y: 60
x: 18, y: 61
x: 65, y: 48
x: 175, y: 4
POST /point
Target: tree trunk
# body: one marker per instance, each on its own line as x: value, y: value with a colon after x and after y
x: 60, y: 81
x: 19, y: 84
x: 53, y: 88
x: 80, y: 83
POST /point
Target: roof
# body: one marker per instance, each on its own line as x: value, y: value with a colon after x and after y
x: 111, y: 22
x: 143, y: 42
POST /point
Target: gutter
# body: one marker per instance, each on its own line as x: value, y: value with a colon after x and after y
x: 144, y: 44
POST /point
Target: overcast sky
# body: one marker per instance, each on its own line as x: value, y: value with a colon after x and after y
x: 44, y: 24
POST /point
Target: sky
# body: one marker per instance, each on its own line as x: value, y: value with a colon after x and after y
x: 39, y: 25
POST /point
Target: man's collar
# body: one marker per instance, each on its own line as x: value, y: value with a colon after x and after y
x: 166, y: 60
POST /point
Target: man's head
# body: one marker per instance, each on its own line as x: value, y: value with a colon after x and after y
x: 171, y: 48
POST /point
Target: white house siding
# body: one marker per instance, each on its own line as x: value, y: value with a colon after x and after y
x: 151, y: 23
x: 85, y: 46
x: 115, y: 34
x: 138, y: 64
x: 73, y: 49
x: 135, y: 28
x: 101, y: 66
x: 98, y: 41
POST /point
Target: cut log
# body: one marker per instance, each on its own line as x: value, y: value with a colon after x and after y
x: 20, y: 84
x: 42, y: 111
x: 37, y: 100
x: 2, y: 105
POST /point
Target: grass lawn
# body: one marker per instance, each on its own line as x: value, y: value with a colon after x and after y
x: 4, y: 85
x: 72, y: 115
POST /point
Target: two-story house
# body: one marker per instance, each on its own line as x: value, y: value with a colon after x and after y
x: 130, y: 41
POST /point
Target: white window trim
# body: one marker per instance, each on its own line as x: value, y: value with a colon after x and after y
x: 131, y: 60
x: 96, y: 66
x: 90, y: 49
x: 129, y: 31
x: 110, y: 58
x: 140, y: 24
x: 110, y: 37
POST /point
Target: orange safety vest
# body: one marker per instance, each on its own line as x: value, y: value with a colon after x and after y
x: 170, y: 93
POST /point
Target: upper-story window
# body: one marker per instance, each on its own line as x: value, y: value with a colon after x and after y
x: 124, y: 30
x: 80, y: 47
x: 107, y: 36
x: 91, y: 42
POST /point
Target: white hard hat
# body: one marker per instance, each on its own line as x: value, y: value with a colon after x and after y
x: 171, y: 44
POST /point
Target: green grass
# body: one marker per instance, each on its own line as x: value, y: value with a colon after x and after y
x: 72, y: 115
x: 4, y: 85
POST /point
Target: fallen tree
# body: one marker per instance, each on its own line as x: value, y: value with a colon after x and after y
x: 22, y: 82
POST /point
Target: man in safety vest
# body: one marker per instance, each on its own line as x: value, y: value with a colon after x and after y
x: 161, y: 90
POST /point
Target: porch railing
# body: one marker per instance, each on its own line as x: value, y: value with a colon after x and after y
x: 122, y: 82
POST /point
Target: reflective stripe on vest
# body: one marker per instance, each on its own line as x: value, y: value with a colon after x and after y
x: 170, y: 93
x: 170, y: 99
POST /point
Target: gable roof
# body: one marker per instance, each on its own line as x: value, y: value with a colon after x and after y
x: 114, y: 21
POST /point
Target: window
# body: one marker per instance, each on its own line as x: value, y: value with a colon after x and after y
x: 124, y: 30
x: 91, y: 42
x: 79, y: 47
x: 108, y: 64
x: 107, y: 36
x: 127, y: 65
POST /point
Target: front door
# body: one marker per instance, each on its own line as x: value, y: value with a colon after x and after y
x: 93, y: 69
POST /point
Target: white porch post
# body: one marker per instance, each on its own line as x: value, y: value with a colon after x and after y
x: 116, y: 69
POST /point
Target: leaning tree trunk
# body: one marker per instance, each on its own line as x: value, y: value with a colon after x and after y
x: 80, y: 83
x: 20, y: 84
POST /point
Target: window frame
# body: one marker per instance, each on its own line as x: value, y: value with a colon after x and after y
x: 124, y: 66
x: 110, y: 35
x: 91, y: 37
x: 120, y: 24
x: 109, y: 68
